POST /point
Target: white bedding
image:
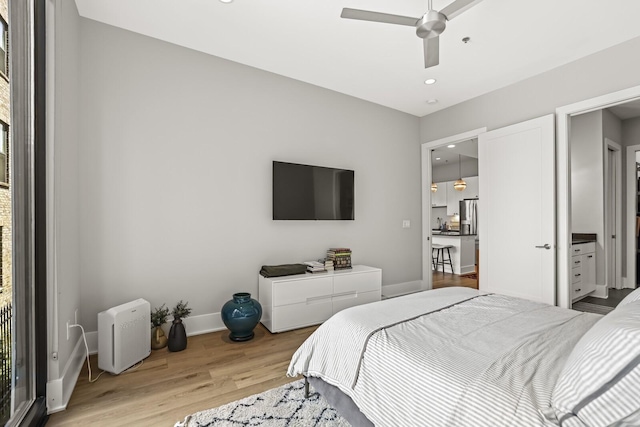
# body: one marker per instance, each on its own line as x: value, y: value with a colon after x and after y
x: 471, y: 360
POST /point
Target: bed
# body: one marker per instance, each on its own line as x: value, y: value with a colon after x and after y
x: 460, y: 357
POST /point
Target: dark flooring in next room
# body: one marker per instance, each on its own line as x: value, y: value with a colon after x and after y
x: 602, y: 305
x: 615, y: 296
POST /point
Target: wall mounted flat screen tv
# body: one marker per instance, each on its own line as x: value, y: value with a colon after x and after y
x: 312, y: 192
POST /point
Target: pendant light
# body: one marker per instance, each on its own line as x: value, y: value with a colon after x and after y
x: 459, y: 185
x: 434, y: 187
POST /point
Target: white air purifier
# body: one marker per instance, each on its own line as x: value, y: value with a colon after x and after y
x: 124, y: 335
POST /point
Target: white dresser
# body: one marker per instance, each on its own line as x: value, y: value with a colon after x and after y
x: 291, y: 302
x: 583, y: 272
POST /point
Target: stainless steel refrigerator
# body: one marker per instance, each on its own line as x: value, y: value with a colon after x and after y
x: 469, y: 216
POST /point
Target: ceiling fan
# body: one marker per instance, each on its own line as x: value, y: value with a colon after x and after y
x: 428, y: 28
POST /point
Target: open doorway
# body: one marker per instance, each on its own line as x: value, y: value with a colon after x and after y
x: 454, y: 220
x: 604, y: 206
x: 449, y: 225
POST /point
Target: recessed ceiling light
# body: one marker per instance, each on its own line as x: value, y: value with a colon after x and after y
x: 430, y: 81
x: 226, y: 1
x: 432, y: 101
x: 437, y: 158
x: 451, y: 146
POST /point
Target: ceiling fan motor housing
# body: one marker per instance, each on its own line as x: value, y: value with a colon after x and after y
x: 432, y: 24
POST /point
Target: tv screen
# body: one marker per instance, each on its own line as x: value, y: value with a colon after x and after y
x: 312, y: 192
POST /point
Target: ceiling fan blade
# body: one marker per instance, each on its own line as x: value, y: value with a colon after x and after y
x: 431, y: 51
x: 366, y: 15
x: 457, y: 7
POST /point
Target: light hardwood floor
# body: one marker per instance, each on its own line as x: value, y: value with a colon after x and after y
x: 212, y: 371
x: 445, y: 280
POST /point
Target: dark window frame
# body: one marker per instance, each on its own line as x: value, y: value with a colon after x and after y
x: 4, y: 53
x: 7, y: 154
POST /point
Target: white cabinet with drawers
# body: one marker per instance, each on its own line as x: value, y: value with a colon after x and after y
x: 291, y: 302
x: 583, y: 271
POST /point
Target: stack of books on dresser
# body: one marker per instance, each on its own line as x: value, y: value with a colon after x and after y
x: 328, y: 264
x: 315, y: 267
x: 341, y: 258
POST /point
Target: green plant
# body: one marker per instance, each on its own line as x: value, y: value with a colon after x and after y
x: 180, y: 311
x: 159, y: 315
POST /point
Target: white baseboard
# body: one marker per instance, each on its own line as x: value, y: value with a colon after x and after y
x: 195, y: 325
x: 397, y: 289
x: 59, y: 390
x: 600, y: 292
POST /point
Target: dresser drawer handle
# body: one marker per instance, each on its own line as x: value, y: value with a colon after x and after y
x: 590, y: 256
x: 577, y: 275
x: 576, y: 262
x: 578, y: 290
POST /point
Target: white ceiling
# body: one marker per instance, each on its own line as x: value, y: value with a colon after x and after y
x: 448, y: 154
x: 511, y: 40
x: 629, y: 110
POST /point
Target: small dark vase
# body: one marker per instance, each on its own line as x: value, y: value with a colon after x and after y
x: 240, y: 315
x: 177, y: 336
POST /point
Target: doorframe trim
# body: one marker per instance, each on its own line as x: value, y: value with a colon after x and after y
x: 630, y: 172
x: 609, y: 144
x: 425, y: 190
x: 563, y: 181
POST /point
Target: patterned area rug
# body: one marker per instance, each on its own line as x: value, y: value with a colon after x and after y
x: 591, y: 308
x: 278, y: 407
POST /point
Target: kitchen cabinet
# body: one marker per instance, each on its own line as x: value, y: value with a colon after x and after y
x: 472, y: 190
x: 583, y: 271
x: 439, y: 198
x: 454, y: 197
x: 449, y: 197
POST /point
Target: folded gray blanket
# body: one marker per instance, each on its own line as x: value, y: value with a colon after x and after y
x: 282, y: 270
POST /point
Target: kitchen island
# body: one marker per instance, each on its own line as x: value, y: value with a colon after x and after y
x: 463, y: 252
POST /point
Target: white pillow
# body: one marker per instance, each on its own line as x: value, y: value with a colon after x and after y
x: 600, y: 382
x: 633, y: 296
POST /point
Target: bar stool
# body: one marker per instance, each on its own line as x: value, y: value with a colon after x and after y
x: 439, y: 258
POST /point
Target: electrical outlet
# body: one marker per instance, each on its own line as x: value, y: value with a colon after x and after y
x: 406, y: 223
x: 68, y: 328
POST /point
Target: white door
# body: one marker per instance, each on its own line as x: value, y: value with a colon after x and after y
x: 517, y: 210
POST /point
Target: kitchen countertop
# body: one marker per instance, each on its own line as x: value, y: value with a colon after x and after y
x: 580, y: 238
x: 449, y: 233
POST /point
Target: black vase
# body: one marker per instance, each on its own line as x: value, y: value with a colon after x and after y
x: 177, y: 336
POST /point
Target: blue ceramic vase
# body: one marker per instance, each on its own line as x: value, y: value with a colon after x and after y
x: 240, y: 315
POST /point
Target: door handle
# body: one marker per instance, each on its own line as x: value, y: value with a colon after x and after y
x: 545, y: 246
x: 613, y: 236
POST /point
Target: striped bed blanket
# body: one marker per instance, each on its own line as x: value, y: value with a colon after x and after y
x: 448, y: 357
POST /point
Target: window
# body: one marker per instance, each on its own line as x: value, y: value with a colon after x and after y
x: 4, y: 45
x: 4, y: 153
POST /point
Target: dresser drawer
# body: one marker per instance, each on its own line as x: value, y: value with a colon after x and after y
x: 300, y: 315
x: 356, y: 282
x: 583, y: 248
x: 301, y: 291
x: 576, y: 275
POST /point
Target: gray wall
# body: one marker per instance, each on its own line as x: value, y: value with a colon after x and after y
x: 451, y: 171
x: 65, y: 292
x: 607, y: 71
x: 587, y: 181
x: 175, y: 172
